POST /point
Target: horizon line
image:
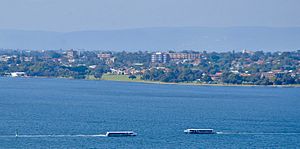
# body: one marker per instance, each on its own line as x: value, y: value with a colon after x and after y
x: 139, y: 28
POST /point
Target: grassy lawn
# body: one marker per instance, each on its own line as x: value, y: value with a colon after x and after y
x: 120, y: 78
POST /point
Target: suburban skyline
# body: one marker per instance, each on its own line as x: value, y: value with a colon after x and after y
x: 67, y: 15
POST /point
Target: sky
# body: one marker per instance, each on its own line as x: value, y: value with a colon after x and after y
x: 79, y: 15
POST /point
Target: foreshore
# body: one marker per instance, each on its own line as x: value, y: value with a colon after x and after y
x: 196, y: 84
x: 202, y: 84
x: 168, y: 83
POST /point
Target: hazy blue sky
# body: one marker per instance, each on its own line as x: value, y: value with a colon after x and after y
x: 74, y: 15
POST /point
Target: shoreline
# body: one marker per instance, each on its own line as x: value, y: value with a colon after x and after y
x: 167, y: 83
x: 109, y: 77
x: 202, y: 84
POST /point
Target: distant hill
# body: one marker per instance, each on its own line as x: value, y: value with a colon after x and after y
x: 153, y: 39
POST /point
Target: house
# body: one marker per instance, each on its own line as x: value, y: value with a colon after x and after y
x: 216, y: 76
x: 104, y: 55
x: 5, y: 58
x: 18, y: 74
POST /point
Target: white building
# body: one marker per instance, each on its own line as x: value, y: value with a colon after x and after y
x: 159, y: 57
x: 18, y: 74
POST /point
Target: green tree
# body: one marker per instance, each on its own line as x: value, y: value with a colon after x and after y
x: 132, y: 77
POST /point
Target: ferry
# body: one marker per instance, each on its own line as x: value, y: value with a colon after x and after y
x: 120, y: 134
x: 199, y: 131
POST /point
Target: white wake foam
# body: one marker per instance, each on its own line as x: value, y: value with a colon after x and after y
x: 49, y: 136
x: 259, y: 133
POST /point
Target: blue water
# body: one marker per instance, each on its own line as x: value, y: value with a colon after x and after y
x: 61, y: 113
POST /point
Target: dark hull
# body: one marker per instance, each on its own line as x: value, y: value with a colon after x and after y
x: 202, y: 133
x: 120, y: 135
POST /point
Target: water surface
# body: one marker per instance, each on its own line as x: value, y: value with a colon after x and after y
x: 61, y: 113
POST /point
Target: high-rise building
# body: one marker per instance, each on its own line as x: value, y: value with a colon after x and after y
x: 159, y: 57
x: 71, y: 54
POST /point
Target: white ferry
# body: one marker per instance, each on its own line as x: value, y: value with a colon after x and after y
x: 120, y: 134
x: 199, y: 131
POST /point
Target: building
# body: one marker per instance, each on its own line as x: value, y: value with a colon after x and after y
x: 18, y: 74
x: 5, y: 58
x: 71, y: 54
x: 159, y: 57
x: 104, y: 56
x: 180, y: 56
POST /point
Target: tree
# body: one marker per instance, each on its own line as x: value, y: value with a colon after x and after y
x: 206, y: 79
x: 132, y: 77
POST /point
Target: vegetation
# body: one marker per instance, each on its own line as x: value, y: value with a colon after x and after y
x: 121, y: 78
x: 255, y: 68
x: 247, y: 67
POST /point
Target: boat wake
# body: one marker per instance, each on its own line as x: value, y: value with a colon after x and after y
x: 258, y: 133
x: 50, y: 136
